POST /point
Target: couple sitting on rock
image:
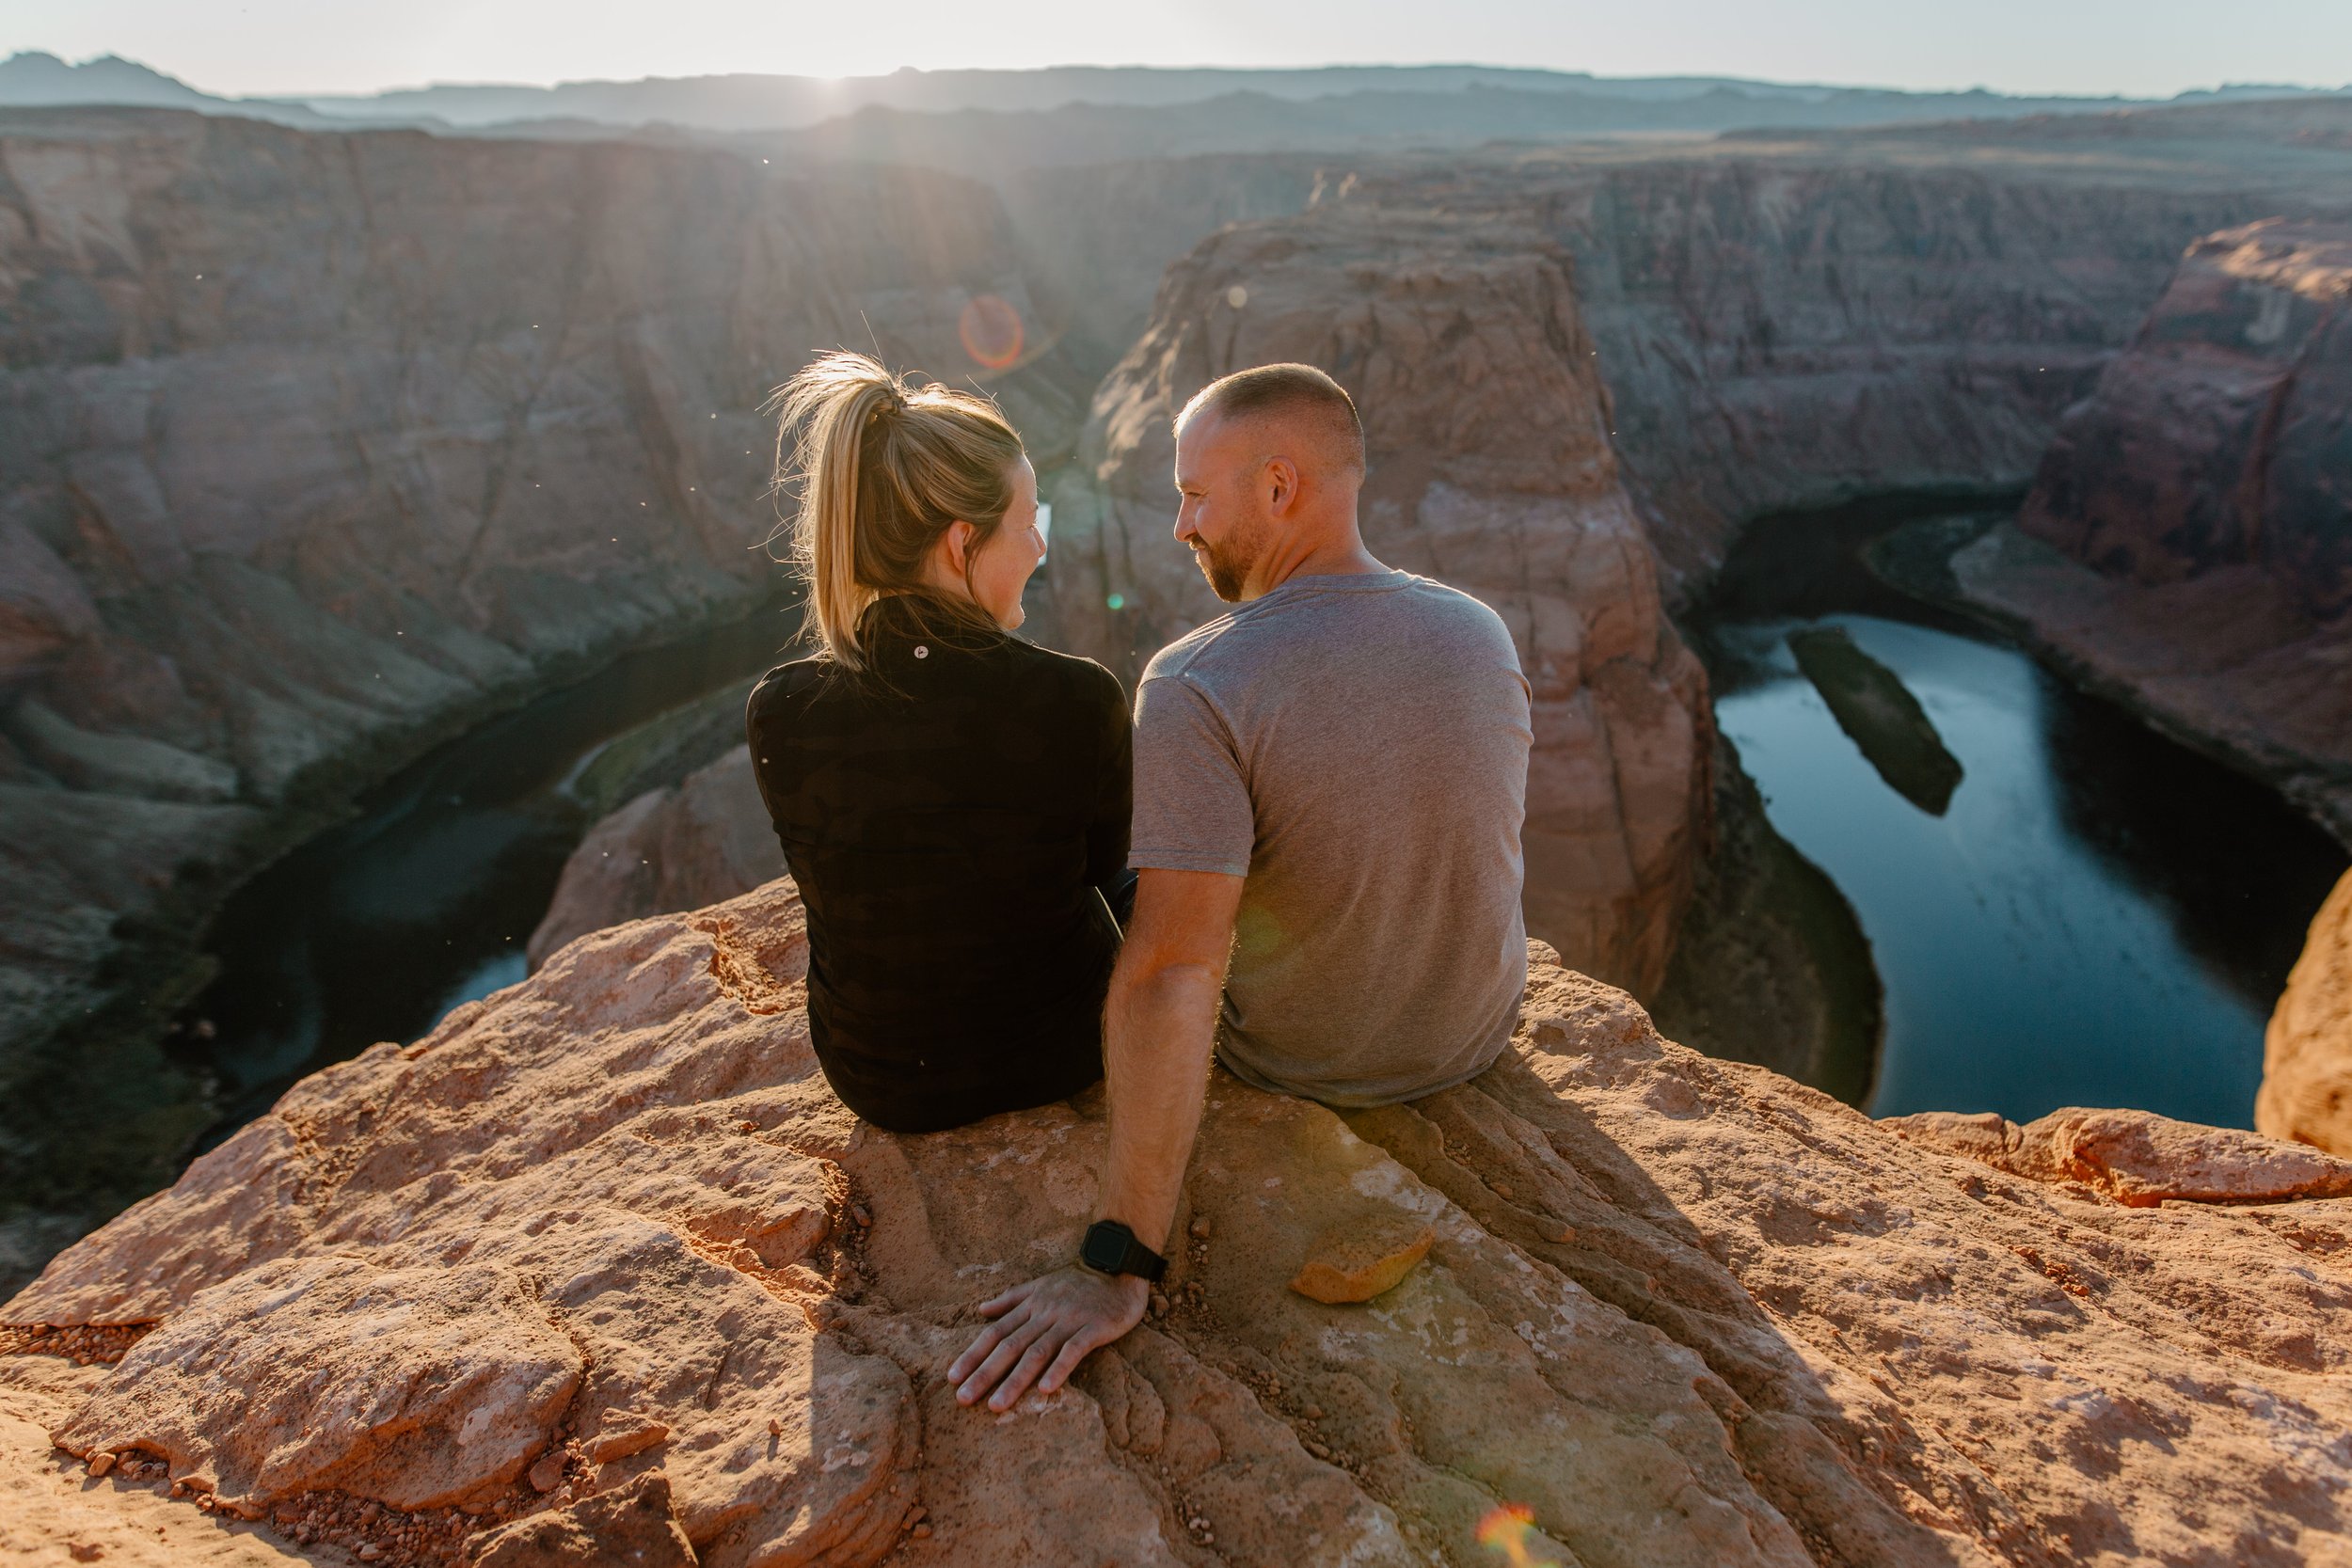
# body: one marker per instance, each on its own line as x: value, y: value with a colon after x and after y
x: 1310, y: 832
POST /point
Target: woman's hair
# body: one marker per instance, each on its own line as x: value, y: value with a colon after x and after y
x: 881, y: 468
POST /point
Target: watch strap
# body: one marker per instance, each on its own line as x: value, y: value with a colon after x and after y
x: 1111, y: 1248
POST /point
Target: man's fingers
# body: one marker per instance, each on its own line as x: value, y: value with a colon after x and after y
x: 990, y: 1336
x: 1025, y: 1372
x: 999, y: 1361
x: 1074, y: 1349
x: 1006, y: 1299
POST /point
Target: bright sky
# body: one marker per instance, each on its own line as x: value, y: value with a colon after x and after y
x: 2138, y: 47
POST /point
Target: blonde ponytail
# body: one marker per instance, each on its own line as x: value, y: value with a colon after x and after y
x: 881, y: 468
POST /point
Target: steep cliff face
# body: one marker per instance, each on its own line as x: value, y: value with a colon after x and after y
x: 1096, y: 238
x: 700, y: 841
x: 599, y: 1266
x: 1784, y: 332
x: 2224, y: 437
x: 2307, y: 1051
x: 1491, y: 469
x: 2187, y: 545
x: 314, y: 443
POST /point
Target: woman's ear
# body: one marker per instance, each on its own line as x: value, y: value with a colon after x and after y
x: 960, y: 537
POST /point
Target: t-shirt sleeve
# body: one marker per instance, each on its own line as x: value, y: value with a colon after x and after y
x: 1192, y: 801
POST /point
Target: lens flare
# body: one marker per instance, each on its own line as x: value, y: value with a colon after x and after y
x: 990, y: 329
x: 1507, y: 1530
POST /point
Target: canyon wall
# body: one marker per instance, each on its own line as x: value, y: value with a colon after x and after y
x: 1789, y: 332
x: 600, y: 1271
x: 2306, y: 1091
x: 2187, y: 545
x: 2223, y: 438
x: 700, y: 841
x: 1491, y: 469
x: 1718, y: 336
x: 314, y: 445
x: 1096, y: 238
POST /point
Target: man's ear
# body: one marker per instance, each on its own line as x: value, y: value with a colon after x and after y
x: 1282, y: 481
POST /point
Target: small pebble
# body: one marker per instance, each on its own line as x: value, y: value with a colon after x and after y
x: 1503, y: 1191
x: 747, y: 1127
x: 921, y: 1532
x: 101, y: 1463
x: 1312, y: 1413
x: 1159, y: 1305
x: 775, y: 1426
x: 1200, y: 1228
x: 859, y: 1217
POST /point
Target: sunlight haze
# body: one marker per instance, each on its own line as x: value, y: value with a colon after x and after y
x: 2151, y: 48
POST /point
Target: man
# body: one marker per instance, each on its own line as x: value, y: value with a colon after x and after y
x: 1329, y: 783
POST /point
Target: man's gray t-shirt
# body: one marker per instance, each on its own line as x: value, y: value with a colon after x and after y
x: 1355, y: 747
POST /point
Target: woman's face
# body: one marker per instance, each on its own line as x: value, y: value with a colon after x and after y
x: 1000, y: 568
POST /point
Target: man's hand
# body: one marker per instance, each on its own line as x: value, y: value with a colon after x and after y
x: 1047, y: 1325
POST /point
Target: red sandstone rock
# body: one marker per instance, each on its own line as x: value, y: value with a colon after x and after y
x: 2307, y: 1053
x: 2198, y: 510
x: 1492, y: 470
x: 635, y: 1526
x: 2136, y: 1157
x: 2219, y: 439
x: 1358, y: 1261
x: 701, y: 841
x: 1716, y: 1319
x: 416, y: 1386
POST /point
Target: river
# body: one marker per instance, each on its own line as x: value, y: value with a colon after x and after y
x: 2098, y: 916
x: 424, y: 898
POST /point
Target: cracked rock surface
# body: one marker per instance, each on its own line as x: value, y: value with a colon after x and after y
x: 601, y: 1257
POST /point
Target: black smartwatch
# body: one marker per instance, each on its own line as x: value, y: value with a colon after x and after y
x: 1110, y: 1247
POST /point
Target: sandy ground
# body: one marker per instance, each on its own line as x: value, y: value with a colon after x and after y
x: 52, y: 1511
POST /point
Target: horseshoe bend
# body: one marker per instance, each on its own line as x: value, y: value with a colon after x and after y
x: 1892, y: 523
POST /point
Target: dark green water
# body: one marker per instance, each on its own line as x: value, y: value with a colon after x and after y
x: 2099, y: 916
x: 425, y: 899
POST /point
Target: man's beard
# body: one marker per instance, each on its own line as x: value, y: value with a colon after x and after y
x: 1228, y: 570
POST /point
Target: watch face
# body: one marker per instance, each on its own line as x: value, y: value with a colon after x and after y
x: 1105, y: 1248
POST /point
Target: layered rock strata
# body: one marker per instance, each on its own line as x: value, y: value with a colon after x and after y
x: 2187, y: 545
x: 2306, y: 1091
x: 314, y: 445
x: 1491, y: 469
x: 1789, y: 329
x: 609, y: 1225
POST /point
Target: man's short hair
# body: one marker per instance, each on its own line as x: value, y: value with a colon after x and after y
x: 1271, y: 389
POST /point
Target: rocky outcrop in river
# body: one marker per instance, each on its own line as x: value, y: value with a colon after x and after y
x: 2188, y: 547
x: 1491, y: 469
x: 600, y: 1265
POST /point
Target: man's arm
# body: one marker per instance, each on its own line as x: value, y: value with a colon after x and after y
x: 1159, y: 1031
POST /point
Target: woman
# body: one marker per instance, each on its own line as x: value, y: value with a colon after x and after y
x: 952, y: 800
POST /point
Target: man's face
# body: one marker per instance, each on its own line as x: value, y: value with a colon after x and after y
x: 1222, y: 514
